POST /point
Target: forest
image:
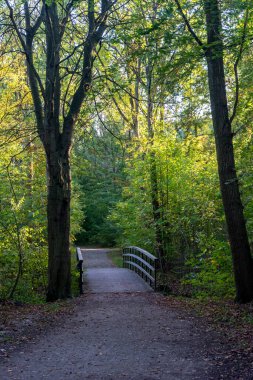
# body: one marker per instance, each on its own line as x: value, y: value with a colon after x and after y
x: 126, y: 123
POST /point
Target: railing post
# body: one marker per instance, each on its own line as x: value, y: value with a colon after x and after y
x: 155, y: 274
x: 81, y: 277
x: 79, y: 258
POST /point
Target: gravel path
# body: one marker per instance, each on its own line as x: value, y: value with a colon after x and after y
x: 123, y: 335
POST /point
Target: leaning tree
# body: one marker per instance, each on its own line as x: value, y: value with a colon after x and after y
x: 60, y: 41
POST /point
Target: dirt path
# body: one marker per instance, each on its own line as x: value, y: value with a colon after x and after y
x: 123, y: 335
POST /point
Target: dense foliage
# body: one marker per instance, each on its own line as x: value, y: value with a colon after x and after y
x: 144, y: 161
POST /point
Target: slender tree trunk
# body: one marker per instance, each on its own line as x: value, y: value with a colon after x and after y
x: 58, y: 215
x: 153, y: 174
x: 156, y: 211
x: 135, y: 105
x: 242, y: 260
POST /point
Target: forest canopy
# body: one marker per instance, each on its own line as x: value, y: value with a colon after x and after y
x: 126, y: 123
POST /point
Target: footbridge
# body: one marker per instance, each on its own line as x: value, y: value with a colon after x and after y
x: 100, y: 275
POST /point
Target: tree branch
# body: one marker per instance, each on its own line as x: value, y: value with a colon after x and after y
x: 95, y: 33
x: 188, y: 25
x: 33, y: 76
x: 243, y: 39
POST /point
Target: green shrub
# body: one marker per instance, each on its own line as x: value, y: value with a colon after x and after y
x: 211, y: 272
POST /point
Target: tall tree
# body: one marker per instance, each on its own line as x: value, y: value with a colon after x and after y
x: 59, y: 77
x: 222, y: 124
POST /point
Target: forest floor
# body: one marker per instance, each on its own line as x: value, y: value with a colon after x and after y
x: 137, y: 334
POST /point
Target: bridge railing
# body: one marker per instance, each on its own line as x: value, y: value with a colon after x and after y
x: 79, y: 258
x: 142, y: 262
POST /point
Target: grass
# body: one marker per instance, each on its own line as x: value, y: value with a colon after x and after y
x: 115, y: 255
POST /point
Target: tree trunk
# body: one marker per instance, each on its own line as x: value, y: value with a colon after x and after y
x: 153, y: 174
x: 57, y: 108
x: 156, y: 212
x: 58, y: 215
x: 237, y: 232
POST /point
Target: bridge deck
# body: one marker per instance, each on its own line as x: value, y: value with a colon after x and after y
x: 103, y: 277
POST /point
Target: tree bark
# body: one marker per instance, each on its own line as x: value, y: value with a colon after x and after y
x: 237, y: 232
x: 58, y: 215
